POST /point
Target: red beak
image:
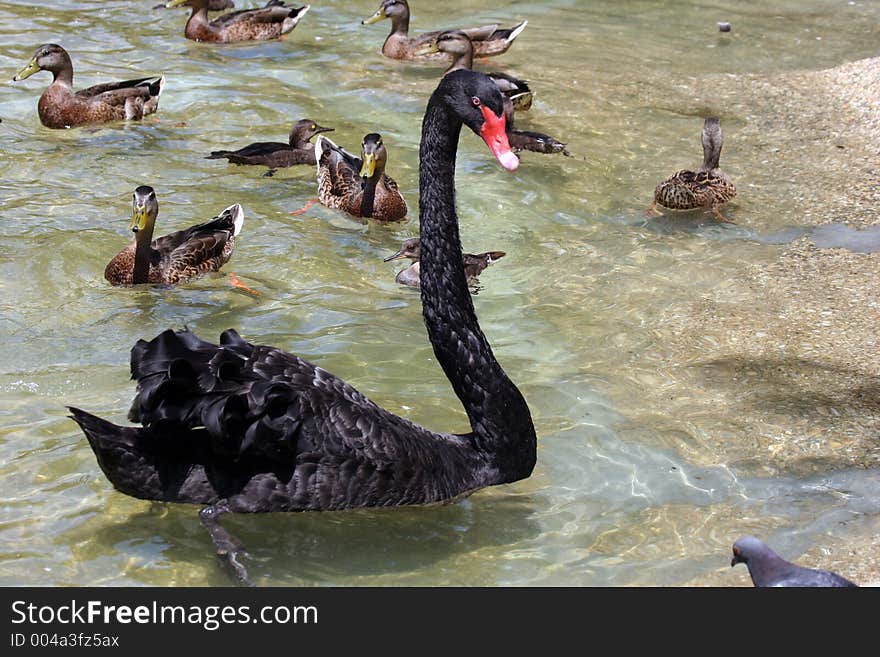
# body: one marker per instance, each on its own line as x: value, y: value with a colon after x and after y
x: 494, y: 133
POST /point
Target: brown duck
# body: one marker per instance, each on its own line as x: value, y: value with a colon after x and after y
x: 269, y: 22
x: 488, y: 40
x: 707, y: 187
x: 474, y: 264
x: 460, y: 48
x: 175, y: 257
x: 62, y: 107
x: 358, y: 186
x: 274, y: 154
x: 516, y: 93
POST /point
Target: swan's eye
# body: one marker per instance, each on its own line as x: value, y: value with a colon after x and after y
x: 475, y: 101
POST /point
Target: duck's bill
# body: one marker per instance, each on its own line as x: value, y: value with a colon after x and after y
x: 31, y: 68
x: 138, y: 218
x: 494, y: 133
x: 368, y: 168
x: 320, y: 128
x: 174, y: 3
x: 375, y: 18
x: 396, y: 256
x: 426, y: 49
x: 522, y: 101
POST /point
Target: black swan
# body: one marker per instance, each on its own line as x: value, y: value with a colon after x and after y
x: 249, y: 428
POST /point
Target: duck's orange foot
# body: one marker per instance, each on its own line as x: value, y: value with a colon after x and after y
x: 235, y: 281
x: 720, y: 216
x: 652, y: 210
x: 308, y: 204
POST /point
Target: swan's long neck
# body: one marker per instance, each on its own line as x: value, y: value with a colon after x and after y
x: 500, y: 419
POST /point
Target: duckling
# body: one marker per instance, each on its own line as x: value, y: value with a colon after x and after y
x: 474, y: 264
x: 62, y: 107
x: 707, y: 187
x: 274, y: 154
x: 269, y: 22
x: 488, y: 40
x: 175, y: 257
x: 358, y: 186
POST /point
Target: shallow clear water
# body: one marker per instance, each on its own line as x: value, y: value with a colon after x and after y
x: 625, y: 491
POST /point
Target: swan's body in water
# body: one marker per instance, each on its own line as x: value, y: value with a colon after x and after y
x: 246, y: 428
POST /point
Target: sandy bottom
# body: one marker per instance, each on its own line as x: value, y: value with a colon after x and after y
x: 795, y: 344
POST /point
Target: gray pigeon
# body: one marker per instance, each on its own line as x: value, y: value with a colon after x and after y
x: 769, y: 569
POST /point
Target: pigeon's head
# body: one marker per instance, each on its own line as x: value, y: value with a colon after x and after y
x: 745, y: 548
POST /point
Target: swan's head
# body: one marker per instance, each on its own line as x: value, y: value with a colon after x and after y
x: 411, y: 248
x: 475, y: 99
x: 373, y: 155
x: 144, y: 209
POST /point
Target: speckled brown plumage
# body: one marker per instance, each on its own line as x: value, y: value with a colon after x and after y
x: 474, y: 263
x: 250, y: 428
x: 272, y: 21
x: 707, y: 187
x: 178, y: 256
x: 488, y: 40
x: 62, y: 107
x: 341, y: 186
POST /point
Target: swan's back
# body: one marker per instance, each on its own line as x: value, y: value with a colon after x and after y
x: 270, y: 432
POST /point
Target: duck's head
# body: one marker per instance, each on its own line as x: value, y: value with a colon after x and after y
x: 373, y: 155
x: 144, y: 209
x: 304, y: 129
x: 475, y: 99
x: 411, y: 248
x: 452, y: 42
x: 388, y: 9
x: 48, y: 57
